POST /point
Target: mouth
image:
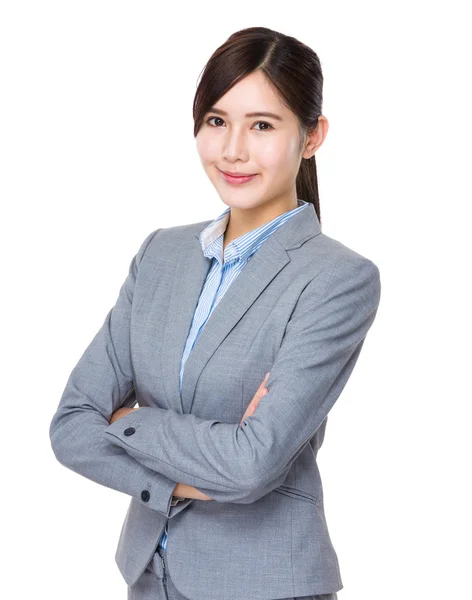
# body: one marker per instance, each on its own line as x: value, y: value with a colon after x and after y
x: 238, y: 178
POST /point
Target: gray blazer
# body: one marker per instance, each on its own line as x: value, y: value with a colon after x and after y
x: 301, y: 309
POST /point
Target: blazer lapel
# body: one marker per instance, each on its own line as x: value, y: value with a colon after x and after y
x: 190, y: 276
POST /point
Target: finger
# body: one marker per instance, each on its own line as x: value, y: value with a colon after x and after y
x: 259, y: 389
x: 259, y: 395
x: 253, y: 404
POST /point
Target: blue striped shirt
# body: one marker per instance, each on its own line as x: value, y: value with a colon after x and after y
x: 223, y: 271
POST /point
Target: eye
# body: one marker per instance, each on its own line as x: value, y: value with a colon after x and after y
x: 269, y: 126
x: 264, y: 123
x: 211, y: 118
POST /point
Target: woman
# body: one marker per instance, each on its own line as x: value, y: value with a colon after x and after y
x: 235, y: 336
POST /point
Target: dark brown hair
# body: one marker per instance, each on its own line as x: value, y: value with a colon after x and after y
x: 290, y: 66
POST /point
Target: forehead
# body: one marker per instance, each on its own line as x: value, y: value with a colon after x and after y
x: 252, y: 94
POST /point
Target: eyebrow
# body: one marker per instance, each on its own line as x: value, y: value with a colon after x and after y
x: 251, y: 114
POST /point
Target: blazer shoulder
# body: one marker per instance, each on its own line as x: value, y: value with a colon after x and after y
x: 335, y: 256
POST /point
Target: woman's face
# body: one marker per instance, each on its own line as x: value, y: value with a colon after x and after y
x: 266, y: 146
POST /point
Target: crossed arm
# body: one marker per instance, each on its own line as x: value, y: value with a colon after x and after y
x: 226, y: 462
x: 243, y: 462
x: 182, y: 490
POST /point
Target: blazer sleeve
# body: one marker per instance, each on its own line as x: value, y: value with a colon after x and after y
x: 243, y: 462
x: 99, y: 385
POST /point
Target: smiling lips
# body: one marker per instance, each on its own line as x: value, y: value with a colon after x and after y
x: 237, y: 179
x: 234, y: 174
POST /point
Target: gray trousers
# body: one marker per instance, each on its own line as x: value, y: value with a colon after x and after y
x: 155, y: 584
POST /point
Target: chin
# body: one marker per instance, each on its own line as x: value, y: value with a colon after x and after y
x: 244, y: 203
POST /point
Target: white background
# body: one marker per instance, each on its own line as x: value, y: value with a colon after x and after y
x: 97, y: 150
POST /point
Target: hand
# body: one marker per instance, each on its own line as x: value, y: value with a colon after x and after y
x: 188, y: 491
x: 122, y: 412
x: 261, y: 391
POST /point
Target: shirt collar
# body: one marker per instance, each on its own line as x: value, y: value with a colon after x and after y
x: 211, y: 238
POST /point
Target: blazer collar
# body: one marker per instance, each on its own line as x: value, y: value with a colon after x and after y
x: 241, y: 248
x: 191, y: 270
x: 306, y: 226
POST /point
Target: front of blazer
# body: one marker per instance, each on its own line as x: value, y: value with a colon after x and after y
x: 301, y: 309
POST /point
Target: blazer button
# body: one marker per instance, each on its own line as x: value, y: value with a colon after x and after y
x: 129, y: 431
x: 145, y: 495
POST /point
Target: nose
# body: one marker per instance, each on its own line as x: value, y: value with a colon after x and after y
x: 235, y: 146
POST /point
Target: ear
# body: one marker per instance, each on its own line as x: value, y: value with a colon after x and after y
x: 315, y: 137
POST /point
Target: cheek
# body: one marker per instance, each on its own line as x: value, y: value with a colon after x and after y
x: 293, y: 149
x: 278, y: 156
x: 207, y: 148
